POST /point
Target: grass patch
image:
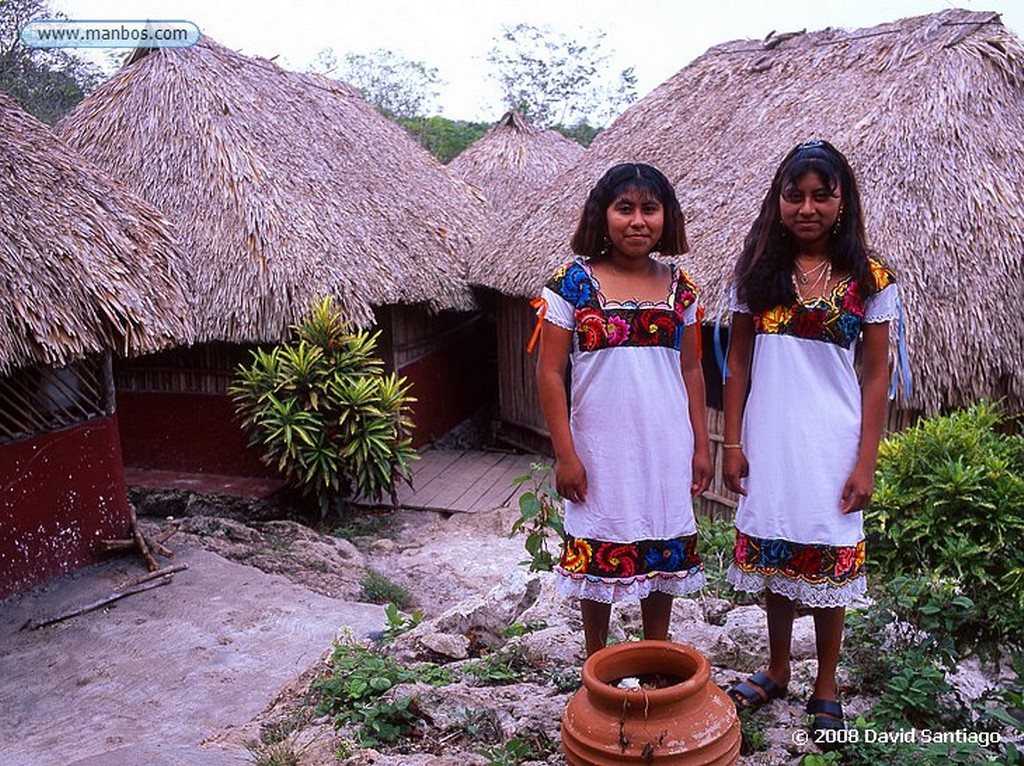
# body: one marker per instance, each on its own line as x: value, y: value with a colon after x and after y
x: 378, y: 589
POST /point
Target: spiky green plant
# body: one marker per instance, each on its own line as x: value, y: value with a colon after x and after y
x: 321, y: 410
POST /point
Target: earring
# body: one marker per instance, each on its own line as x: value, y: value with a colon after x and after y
x: 606, y: 244
x: 785, y: 231
x: 839, y: 222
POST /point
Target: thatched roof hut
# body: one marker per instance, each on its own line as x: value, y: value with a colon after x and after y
x: 512, y: 159
x: 87, y: 270
x: 283, y: 186
x: 930, y: 111
x: 86, y: 267
x: 510, y: 165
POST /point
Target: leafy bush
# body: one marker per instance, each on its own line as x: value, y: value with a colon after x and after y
x: 540, y: 515
x: 398, y: 623
x: 902, y: 647
x: 507, y: 665
x: 322, y: 411
x: 510, y: 753
x: 351, y: 692
x: 949, y: 502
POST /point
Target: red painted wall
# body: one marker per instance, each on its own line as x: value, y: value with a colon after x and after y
x: 198, y: 433
x: 60, y: 492
x: 191, y: 433
x: 450, y: 385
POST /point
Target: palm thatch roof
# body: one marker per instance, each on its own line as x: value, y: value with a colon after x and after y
x: 513, y: 159
x: 930, y: 112
x: 85, y: 266
x: 283, y: 187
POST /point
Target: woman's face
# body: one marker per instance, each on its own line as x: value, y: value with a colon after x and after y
x: 809, y: 209
x: 635, y: 221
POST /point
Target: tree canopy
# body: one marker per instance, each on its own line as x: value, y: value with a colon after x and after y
x: 553, y: 79
x: 398, y: 87
x: 46, y: 82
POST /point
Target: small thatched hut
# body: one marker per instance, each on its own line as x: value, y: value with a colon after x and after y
x: 930, y: 111
x: 509, y: 165
x: 86, y: 269
x: 283, y: 187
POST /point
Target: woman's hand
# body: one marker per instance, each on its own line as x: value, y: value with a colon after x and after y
x: 858, y: 490
x: 735, y: 468
x: 571, y: 479
x: 701, y: 472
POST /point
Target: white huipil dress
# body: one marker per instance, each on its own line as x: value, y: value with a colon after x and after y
x: 630, y: 424
x: 801, y: 435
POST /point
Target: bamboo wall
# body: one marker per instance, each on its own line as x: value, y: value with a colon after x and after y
x: 416, y: 333
x: 39, y: 399
x: 522, y: 422
x: 207, y: 368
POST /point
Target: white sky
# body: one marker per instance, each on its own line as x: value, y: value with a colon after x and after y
x: 656, y: 37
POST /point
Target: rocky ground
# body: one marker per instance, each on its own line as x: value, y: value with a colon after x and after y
x: 479, y: 605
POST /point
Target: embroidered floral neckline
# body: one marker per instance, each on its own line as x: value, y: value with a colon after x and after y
x: 604, y: 302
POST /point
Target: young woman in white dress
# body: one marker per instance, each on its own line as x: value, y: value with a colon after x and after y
x: 810, y: 340
x: 630, y: 436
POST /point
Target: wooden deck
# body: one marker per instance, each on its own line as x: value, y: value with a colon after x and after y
x: 466, y: 481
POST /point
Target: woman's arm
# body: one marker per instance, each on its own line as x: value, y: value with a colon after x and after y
x: 741, y: 347
x: 693, y: 379
x: 874, y: 404
x: 552, y: 361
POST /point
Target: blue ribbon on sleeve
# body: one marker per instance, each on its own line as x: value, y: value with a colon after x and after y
x: 901, y: 371
x: 720, y: 351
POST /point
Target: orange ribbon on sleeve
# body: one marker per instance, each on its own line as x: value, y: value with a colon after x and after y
x: 541, y: 307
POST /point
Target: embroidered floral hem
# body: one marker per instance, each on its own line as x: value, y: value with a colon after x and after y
x: 612, y: 571
x: 813, y: 563
x: 811, y: 573
x: 824, y: 594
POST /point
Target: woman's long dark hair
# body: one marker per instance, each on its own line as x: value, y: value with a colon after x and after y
x: 764, y: 270
x: 590, y: 237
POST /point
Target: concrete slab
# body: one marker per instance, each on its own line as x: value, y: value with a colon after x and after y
x: 151, y: 677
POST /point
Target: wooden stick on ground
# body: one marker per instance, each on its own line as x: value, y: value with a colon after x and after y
x: 155, y: 543
x: 140, y: 541
x: 154, y: 575
x: 35, y: 624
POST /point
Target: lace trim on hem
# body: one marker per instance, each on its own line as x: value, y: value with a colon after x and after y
x: 613, y: 591
x: 821, y: 595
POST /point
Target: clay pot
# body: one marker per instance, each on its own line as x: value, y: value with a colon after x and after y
x: 685, y: 723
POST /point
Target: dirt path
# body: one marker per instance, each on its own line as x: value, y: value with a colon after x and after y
x: 150, y: 679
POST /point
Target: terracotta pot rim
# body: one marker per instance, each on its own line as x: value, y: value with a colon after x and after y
x: 597, y: 684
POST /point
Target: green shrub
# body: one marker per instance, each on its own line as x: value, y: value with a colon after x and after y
x: 398, y: 623
x: 902, y: 647
x: 378, y: 589
x: 358, y: 678
x: 384, y: 722
x: 323, y: 412
x: 949, y: 502
x: 510, y: 753
x: 507, y: 665
x: 540, y: 517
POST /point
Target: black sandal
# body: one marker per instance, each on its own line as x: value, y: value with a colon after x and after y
x: 755, y: 692
x: 827, y: 715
